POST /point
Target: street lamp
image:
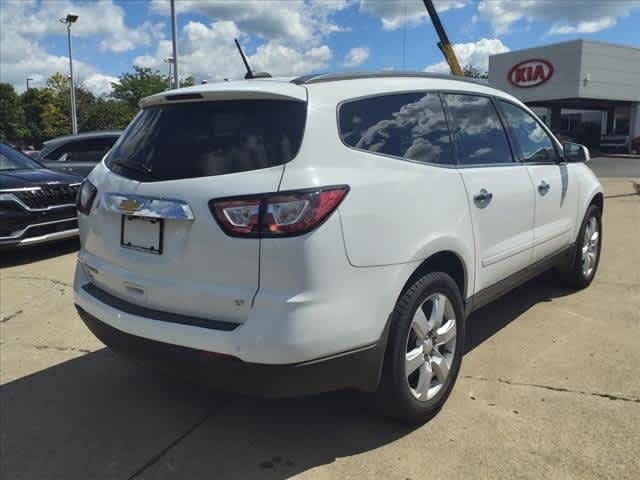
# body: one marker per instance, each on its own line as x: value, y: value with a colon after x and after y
x: 29, y: 79
x: 69, y: 20
x: 169, y: 61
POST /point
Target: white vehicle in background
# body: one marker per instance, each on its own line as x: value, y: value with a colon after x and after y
x: 282, y: 237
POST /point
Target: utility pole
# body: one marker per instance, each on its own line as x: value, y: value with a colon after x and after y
x: 169, y: 61
x: 69, y: 20
x: 175, y: 44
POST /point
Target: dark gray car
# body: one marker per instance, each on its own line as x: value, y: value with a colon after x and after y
x: 77, y: 154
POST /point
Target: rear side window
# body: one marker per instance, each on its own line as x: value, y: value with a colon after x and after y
x: 408, y: 125
x: 477, y: 129
x: 534, y: 142
x: 202, y: 139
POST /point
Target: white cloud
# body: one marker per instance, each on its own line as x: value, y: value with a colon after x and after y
x: 472, y: 54
x: 292, y: 20
x: 396, y: 13
x: 582, y: 27
x: 578, y: 16
x: 99, y: 84
x: 24, y: 26
x: 356, y: 56
x: 208, y: 53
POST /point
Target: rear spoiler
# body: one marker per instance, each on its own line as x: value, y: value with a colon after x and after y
x: 242, y: 90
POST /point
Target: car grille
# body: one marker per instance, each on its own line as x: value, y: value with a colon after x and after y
x: 51, y: 228
x: 49, y: 196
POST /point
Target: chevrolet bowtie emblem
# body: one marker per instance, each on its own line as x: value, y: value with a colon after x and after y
x: 130, y: 205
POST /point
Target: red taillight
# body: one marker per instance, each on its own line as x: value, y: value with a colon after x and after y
x: 85, y: 197
x: 277, y: 214
x: 238, y: 217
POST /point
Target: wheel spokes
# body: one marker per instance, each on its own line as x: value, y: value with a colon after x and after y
x: 420, y: 324
x: 437, y: 311
x: 414, y: 360
x: 430, y: 346
x: 424, y: 381
x: 440, y: 367
x: 446, y: 333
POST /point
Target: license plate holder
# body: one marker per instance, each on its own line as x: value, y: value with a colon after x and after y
x: 142, y: 233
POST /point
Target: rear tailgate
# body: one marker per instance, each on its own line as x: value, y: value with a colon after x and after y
x: 178, y: 157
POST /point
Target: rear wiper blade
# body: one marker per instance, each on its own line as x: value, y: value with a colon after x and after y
x: 137, y: 168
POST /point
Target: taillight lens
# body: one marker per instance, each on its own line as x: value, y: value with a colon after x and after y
x: 277, y: 214
x: 238, y: 217
x: 86, y: 197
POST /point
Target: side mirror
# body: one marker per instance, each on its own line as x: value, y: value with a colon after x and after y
x: 574, y: 152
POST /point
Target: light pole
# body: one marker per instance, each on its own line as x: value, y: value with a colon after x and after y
x: 69, y: 20
x: 169, y: 61
x: 28, y: 80
x: 175, y: 44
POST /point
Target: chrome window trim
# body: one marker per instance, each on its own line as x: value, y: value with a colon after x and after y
x: 148, y: 207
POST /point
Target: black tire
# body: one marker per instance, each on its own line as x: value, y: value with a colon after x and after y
x: 574, y: 276
x: 394, y: 395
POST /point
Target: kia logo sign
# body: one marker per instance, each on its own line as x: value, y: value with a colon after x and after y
x: 530, y: 73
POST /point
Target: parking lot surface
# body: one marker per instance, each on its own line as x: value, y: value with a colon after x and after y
x: 549, y: 388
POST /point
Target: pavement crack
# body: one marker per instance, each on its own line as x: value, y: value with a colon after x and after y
x: 41, y: 279
x: 608, y: 396
x: 155, y: 458
x: 6, y: 318
x: 61, y: 349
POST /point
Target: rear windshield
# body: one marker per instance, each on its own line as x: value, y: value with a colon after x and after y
x: 202, y: 139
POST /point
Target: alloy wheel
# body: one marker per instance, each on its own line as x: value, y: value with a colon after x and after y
x: 431, y: 345
x: 590, y: 246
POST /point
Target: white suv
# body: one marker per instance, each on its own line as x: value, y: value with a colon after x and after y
x: 280, y: 237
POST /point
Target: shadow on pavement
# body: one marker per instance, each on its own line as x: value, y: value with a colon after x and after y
x: 100, y: 417
x: 489, y: 320
x: 25, y: 255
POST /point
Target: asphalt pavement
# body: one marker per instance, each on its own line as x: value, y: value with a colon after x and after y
x: 616, y: 167
x: 549, y: 389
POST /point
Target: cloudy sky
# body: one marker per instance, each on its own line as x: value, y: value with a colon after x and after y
x: 288, y: 37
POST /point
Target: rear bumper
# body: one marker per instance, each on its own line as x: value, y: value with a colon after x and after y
x: 355, y: 369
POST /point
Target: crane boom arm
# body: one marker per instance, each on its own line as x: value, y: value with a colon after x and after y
x: 445, y: 46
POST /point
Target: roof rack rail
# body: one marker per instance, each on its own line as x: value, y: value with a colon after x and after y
x: 334, y: 77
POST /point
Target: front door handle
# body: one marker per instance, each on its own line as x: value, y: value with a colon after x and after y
x: 543, y: 188
x: 483, y: 198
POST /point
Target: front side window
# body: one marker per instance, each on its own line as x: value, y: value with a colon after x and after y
x: 407, y: 125
x: 479, y: 134
x: 534, y: 143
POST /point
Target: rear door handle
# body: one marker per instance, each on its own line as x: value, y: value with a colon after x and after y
x: 482, y: 198
x: 543, y: 188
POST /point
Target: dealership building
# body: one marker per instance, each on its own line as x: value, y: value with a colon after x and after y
x: 570, y: 83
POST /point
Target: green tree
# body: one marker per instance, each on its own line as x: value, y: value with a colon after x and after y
x: 12, y: 123
x: 473, y: 72
x: 60, y: 86
x: 133, y: 87
x: 106, y: 114
x: 33, y: 103
x: 55, y: 118
x: 188, y: 82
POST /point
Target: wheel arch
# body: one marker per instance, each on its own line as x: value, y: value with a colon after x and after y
x: 446, y: 261
x: 598, y: 201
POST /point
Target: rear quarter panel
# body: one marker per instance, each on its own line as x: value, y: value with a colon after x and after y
x: 397, y: 211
